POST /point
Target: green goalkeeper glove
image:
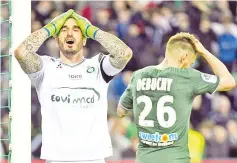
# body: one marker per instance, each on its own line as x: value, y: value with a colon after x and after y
x: 56, y: 24
x: 88, y: 30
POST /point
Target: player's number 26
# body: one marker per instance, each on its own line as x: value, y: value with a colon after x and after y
x: 161, y: 110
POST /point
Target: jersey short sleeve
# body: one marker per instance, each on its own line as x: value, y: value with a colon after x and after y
x: 108, y: 71
x: 126, y: 100
x: 203, y: 83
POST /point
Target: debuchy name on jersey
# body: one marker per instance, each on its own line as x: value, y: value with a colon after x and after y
x: 73, y: 102
x: 161, y: 101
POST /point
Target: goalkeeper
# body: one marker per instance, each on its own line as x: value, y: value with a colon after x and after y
x: 72, y: 90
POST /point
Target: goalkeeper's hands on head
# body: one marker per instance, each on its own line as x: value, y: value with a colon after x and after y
x: 88, y: 30
x: 57, y: 23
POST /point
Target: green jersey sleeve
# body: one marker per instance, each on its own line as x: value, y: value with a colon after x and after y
x: 126, y: 100
x: 203, y: 83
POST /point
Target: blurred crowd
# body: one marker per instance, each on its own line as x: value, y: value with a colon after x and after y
x: 145, y: 27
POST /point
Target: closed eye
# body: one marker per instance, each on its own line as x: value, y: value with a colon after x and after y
x: 64, y: 29
x: 76, y: 29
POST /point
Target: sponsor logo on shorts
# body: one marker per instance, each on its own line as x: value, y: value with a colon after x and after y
x: 158, y: 139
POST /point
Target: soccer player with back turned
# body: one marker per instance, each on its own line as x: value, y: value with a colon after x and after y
x: 161, y: 99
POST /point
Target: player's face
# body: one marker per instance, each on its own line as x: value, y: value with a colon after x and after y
x: 70, y: 38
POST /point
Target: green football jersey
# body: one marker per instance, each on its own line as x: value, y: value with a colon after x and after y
x: 161, y: 101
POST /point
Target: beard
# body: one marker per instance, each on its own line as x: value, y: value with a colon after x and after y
x: 76, y: 46
x: 69, y: 51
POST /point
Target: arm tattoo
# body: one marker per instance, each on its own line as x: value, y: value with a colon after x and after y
x: 35, y: 40
x: 30, y: 61
x: 120, y: 53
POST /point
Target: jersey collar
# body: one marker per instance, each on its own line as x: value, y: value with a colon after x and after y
x: 71, y: 65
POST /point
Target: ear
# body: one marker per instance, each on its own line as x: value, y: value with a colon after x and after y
x: 56, y: 39
x: 183, y: 60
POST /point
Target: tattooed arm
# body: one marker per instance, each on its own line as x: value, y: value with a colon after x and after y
x: 120, y: 53
x: 26, y: 55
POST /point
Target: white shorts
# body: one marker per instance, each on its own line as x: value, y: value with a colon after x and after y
x: 89, y: 161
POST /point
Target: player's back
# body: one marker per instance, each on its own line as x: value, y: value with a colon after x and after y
x: 162, y: 102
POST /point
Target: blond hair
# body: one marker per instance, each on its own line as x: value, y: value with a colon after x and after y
x: 180, y: 43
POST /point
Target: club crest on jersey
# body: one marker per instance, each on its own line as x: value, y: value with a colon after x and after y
x: 158, y: 139
x: 90, y: 69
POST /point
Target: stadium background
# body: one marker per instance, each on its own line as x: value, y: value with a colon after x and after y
x: 146, y: 27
